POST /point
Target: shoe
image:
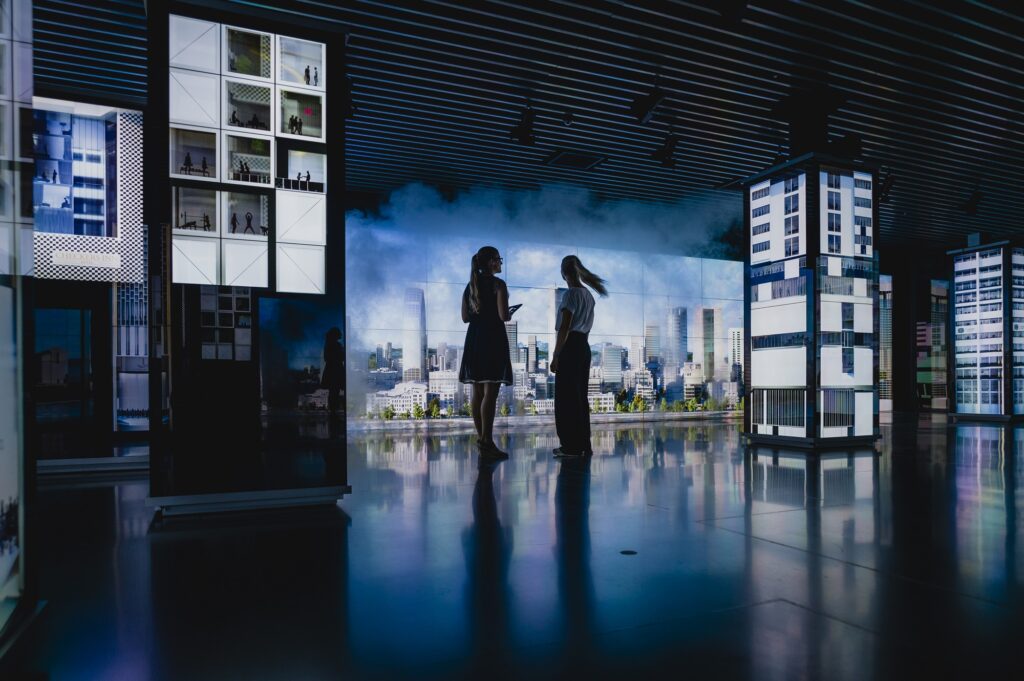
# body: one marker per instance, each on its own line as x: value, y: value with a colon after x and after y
x: 490, y: 450
x: 562, y: 453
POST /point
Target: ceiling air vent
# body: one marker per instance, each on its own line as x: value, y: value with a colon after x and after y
x: 574, y: 160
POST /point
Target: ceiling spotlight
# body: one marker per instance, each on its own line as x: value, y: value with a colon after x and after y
x: 523, y: 131
x: 970, y: 206
x: 643, y: 106
x: 665, y: 153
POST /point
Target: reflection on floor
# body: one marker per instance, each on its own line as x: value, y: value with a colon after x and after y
x: 747, y: 564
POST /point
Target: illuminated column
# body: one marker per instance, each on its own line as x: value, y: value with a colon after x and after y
x: 811, y: 322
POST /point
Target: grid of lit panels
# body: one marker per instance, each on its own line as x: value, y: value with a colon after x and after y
x: 237, y: 99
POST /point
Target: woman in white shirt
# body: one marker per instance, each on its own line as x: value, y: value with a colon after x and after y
x: 570, y: 362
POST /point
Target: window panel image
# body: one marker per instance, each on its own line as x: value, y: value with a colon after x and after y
x: 300, y: 114
x: 306, y: 171
x: 195, y: 211
x: 70, y: 191
x: 248, y: 159
x: 193, y: 44
x: 193, y: 153
x: 248, y: 105
x: 300, y: 62
x: 246, y: 215
x: 247, y: 53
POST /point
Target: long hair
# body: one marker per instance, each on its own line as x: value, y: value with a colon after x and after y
x: 572, y: 268
x: 479, y: 263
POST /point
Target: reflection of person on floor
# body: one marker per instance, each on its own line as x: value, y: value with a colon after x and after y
x: 572, y: 556
x: 487, y: 547
x: 248, y: 223
x: 234, y: 222
x: 332, y: 370
x: 305, y: 75
x: 485, y: 359
x: 571, y: 359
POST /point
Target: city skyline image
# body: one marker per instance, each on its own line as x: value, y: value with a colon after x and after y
x: 669, y: 313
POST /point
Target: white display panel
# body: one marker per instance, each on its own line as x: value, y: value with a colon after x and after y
x: 301, y: 218
x: 195, y: 260
x: 194, y: 44
x: 300, y: 62
x: 244, y: 263
x: 194, y: 98
x: 300, y: 269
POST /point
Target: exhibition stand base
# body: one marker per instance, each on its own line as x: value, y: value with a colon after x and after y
x: 810, y: 444
x: 228, y: 502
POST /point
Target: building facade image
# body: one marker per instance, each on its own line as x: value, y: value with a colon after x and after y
x: 811, y: 317
x: 987, y: 328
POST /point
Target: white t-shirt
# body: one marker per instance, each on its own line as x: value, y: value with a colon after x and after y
x: 580, y: 303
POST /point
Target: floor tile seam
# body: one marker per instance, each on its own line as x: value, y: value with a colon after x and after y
x: 887, y: 574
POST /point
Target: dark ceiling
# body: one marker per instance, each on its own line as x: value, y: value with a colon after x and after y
x: 933, y: 90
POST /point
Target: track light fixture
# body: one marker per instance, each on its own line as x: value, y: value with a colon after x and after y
x: 886, y: 186
x: 523, y: 131
x: 643, y: 106
x: 666, y: 152
x: 348, y: 106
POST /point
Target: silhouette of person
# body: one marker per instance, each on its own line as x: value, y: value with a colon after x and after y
x: 248, y: 223
x: 206, y: 223
x: 332, y: 370
x: 54, y: 177
x: 299, y: 176
x: 298, y: 124
x: 188, y: 162
x: 234, y: 117
x: 570, y: 361
x: 485, y: 357
x: 254, y: 122
x: 305, y: 75
x: 205, y: 167
x: 234, y: 222
x: 307, y: 177
x: 316, y: 76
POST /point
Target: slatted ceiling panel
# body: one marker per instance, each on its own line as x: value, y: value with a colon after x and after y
x: 934, y: 94
x: 97, y: 46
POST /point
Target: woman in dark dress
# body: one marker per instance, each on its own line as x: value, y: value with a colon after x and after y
x: 485, y: 357
x: 332, y: 374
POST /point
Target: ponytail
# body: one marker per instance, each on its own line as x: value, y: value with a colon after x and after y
x: 474, y: 285
x: 571, y: 264
x: 480, y: 260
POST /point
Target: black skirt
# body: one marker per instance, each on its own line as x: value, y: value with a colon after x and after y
x: 485, y: 356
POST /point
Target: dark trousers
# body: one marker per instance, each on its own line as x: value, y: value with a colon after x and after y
x: 572, y: 408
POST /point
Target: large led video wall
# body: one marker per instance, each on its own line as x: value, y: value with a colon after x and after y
x: 668, y: 338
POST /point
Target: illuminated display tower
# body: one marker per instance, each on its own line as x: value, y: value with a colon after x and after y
x: 987, y: 327
x: 811, y: 323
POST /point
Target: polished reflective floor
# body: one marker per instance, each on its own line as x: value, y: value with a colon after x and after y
x: 673, y: 553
